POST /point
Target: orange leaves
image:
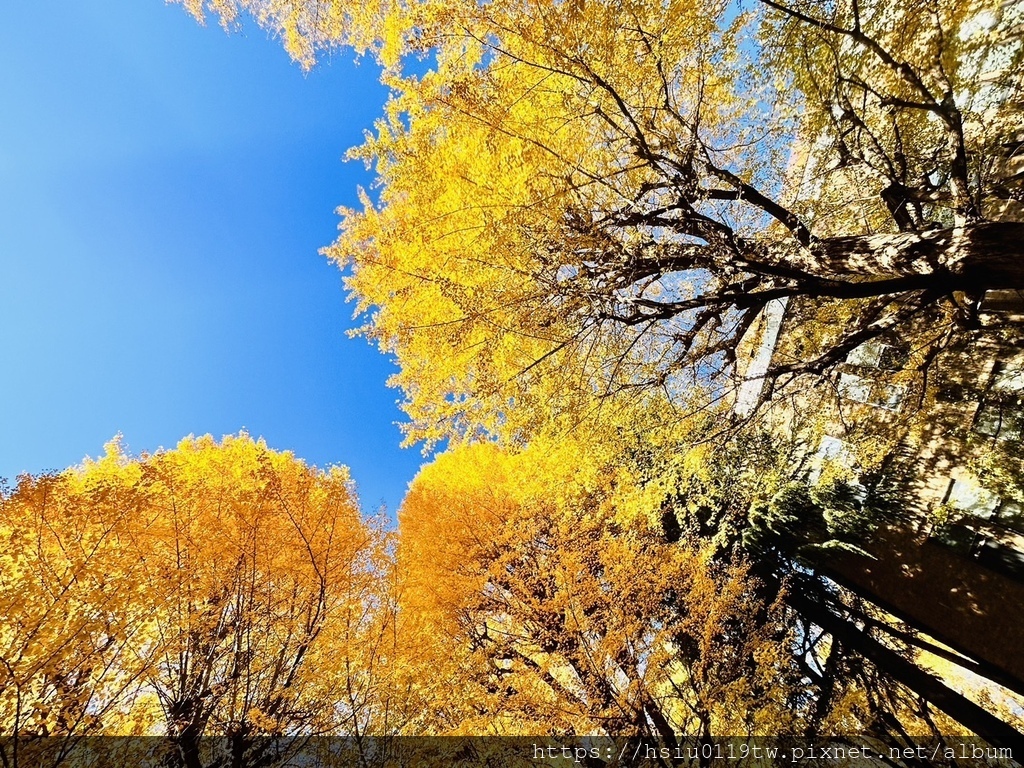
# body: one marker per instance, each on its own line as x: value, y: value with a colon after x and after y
x: 64, y: 595
x: 228, y: 582
x: 548, y: 573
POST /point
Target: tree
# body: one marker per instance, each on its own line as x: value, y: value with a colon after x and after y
x: 214, y: 590
x: 581, y: 201
x: 73, y: 616
x: 754, y: 496
x: 545, y: 599
x: 602, y: 198
x: 547, y: 591
x: 262, y: 572
x: 751, y: 497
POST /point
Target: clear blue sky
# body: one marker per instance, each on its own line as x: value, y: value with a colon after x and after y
x: 164, y: 189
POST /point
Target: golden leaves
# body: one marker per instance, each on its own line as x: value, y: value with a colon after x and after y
x: 228, y: 582
x: 550, y: 564
x: 306, y: 28
x: 473, y: 262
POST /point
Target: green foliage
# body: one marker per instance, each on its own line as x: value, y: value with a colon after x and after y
x: 808, y: 522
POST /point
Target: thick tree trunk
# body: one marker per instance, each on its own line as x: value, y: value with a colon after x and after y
x: 969, y: 657
x: 187, y: 743
x: 972, y: 258
x: 989, y: 727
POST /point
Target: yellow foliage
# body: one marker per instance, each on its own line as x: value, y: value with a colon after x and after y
x: 545, y: 598
x: 307, y: 28
x: 220, y: 587
x: 474, y: 260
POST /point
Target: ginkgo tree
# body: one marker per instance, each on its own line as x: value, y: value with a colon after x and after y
x: 544, y: 598
x: 73, y: 615
x: 580, y: 198
x: 548, y: 592
x: 262, y: 572
x: 214, y: 590
x: 603, y: 197
x: 585, y: 200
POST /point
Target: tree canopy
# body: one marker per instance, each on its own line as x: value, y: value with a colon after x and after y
x: 226, y: 590
x: 574, y: 611
x: 602, y: 198
x: 217, y: 589
x: 596, y: 198
x: 552, y: 590
x: 596, y: 208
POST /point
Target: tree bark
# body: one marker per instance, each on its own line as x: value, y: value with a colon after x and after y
x: 932, y: 689
x: 970, y: 659
x: 971, y: 258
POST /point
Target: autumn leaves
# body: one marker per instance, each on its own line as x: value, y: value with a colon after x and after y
x: 228, y: 590
x: 550, y: 573
x: 215, y: 588
x: 583, y: 209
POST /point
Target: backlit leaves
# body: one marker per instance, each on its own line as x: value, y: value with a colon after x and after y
x: 215, y: 589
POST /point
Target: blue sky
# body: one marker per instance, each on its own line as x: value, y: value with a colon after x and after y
x: 164, y: 189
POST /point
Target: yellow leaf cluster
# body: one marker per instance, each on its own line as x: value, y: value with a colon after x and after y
x: 474, y: 260
x: 307, y: 28
x: 220, y: 587
x: 548, y: 572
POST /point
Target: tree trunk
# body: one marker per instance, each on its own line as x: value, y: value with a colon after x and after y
x: 970, y: 659
x: 930, y: 688
x: 972, y: 258
x: 187, y: 742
